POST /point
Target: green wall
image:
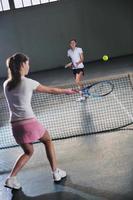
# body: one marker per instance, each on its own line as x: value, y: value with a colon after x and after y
x: 42, y: 32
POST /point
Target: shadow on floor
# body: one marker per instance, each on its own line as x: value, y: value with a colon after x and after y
x: 19, y: 195
x: 94, y: 193
x: 98, y: 193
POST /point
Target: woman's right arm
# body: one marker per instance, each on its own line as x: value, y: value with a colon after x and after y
x: 52, y: 90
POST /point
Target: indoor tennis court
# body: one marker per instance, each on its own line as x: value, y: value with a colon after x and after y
x: 93, y: 138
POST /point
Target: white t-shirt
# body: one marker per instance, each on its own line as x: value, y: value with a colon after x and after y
x: 75, y: 57
x: 19, y: 99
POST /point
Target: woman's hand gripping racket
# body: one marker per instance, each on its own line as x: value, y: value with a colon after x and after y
x: 71, y: 91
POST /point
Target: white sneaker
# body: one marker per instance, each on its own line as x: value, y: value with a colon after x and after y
x: 12, y: 183
x: 82, y: 98
x: 58, y: 174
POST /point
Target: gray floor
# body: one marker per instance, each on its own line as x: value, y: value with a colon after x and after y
x: 99, y: 166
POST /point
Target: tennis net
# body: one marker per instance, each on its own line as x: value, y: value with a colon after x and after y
x: 64, y: 117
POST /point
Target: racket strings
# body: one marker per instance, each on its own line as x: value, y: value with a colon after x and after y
x: 101, y: 89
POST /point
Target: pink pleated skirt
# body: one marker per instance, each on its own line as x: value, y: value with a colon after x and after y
x: 27, y: 131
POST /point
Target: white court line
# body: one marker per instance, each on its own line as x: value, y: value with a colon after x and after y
x: 123, y: 107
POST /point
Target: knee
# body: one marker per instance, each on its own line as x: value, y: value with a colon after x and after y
x: 46, y: 139
x: 29, y: 152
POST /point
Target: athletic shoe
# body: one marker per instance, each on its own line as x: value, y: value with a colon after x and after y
x: 12, y: 183
x: 58, y: 174
x: 82, y: 98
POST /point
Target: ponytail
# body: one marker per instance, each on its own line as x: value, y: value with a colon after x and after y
x: 14, y: 65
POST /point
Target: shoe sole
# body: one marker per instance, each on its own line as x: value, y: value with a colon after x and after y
x: 60, y: 179
x: 12, y: 188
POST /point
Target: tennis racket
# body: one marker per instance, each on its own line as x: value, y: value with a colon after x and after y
x: 98, y: 89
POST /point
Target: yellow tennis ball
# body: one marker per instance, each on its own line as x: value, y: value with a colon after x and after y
x: 105, y: 57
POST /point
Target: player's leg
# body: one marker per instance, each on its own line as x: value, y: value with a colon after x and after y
x: 11, y: 181
x: 50, y: 151
x: 78, y: 79
x: 58, y: 174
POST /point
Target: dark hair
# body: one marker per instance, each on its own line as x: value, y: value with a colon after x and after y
x: 14, y: 65
x: 73, y: 39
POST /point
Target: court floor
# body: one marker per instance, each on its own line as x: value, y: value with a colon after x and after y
x: 99, y: 166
